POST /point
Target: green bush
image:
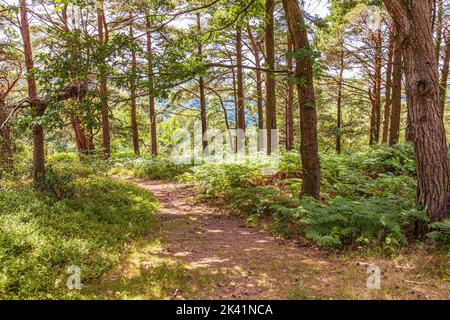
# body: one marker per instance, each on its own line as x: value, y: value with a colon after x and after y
x: 219, y: 179
x: 153, y: 168
x: 440, y: 233
x: 59, y: 182
x: 41, y: 238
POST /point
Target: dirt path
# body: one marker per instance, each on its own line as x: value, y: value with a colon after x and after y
x: 202, y: 253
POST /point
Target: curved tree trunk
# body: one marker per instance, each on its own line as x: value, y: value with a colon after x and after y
x: 307, y: 101
x: 413, y: 20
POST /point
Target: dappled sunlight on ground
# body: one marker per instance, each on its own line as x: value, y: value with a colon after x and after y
x: 201, y: 253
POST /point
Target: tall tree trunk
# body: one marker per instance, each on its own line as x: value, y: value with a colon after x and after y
x: 37, y: 109
x: 339, y: 104
x: 376, y: 113
x: 240, y: 112
x: 259, y: 83
x: 151, y: 94
x: 201, y: 83
x: 134, y: 125
x: 306, y: 96
x: 394, y: 132
x: 102, y: 36
x: 290, y: 101
x: 271, y: 109
x: 444, y: 74
x: 413, y: 20
x: 388, y: 93
x: 438, y: 27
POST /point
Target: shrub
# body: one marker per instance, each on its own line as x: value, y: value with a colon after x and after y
x: 153, y: 168
x: 440, y: 233
x: 59, y: 182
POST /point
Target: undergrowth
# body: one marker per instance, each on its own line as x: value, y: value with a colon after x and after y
x: 40, y: 237
x: 367, y: 197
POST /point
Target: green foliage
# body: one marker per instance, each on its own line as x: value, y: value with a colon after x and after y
x: 152, y: 168
x: 441, y: 233
x: 40, y: 238
x: 59, y: 182
x: 219, y: 179
x: 368, y: 197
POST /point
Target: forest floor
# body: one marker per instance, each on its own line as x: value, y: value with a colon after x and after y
x: 202, y: 252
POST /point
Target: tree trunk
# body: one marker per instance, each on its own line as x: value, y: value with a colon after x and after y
x: 290, y: 101
x: 80, y: 137
x: 388, y: 93
x: 339, y: 105
x: 151, y: 94
x: 240, y: 112
x: 438, y: 27
x: 306, y: 96
x: 134, y: 125
x: 413, y: 20
x: 102, y: 30
x: 444, y: 74
x: 394, y: 132
x: 201, y: 83
x: 271, y: 109
x: 376, y: 113
x: 259, y: 83
x: 37, y: 109
x: 6, y: 151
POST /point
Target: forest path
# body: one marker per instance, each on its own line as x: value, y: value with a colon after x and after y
x: 201, y: 252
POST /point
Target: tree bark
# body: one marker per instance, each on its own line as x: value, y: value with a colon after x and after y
x: 339, y: 105
x: 134, y: 125
x: 103, y: 92
x: 438, y: 27
x: 290, y: 101
x: 388, y: 93
x: 201, y: 83
x: 376, y: 112
x: 6, y: 151
x: 80, y: 137
x: 271, y: 109
x: 444, y: 74
x: 151, y: 89
x: 306, y: 96
x: 394, y: 131
x: 240, y: 112
x: 413, y: 20
x: 259, y: 83
x: 37, y: 108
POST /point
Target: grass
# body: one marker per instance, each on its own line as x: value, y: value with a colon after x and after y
x: 40, y: 237
x: 147, y: 273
